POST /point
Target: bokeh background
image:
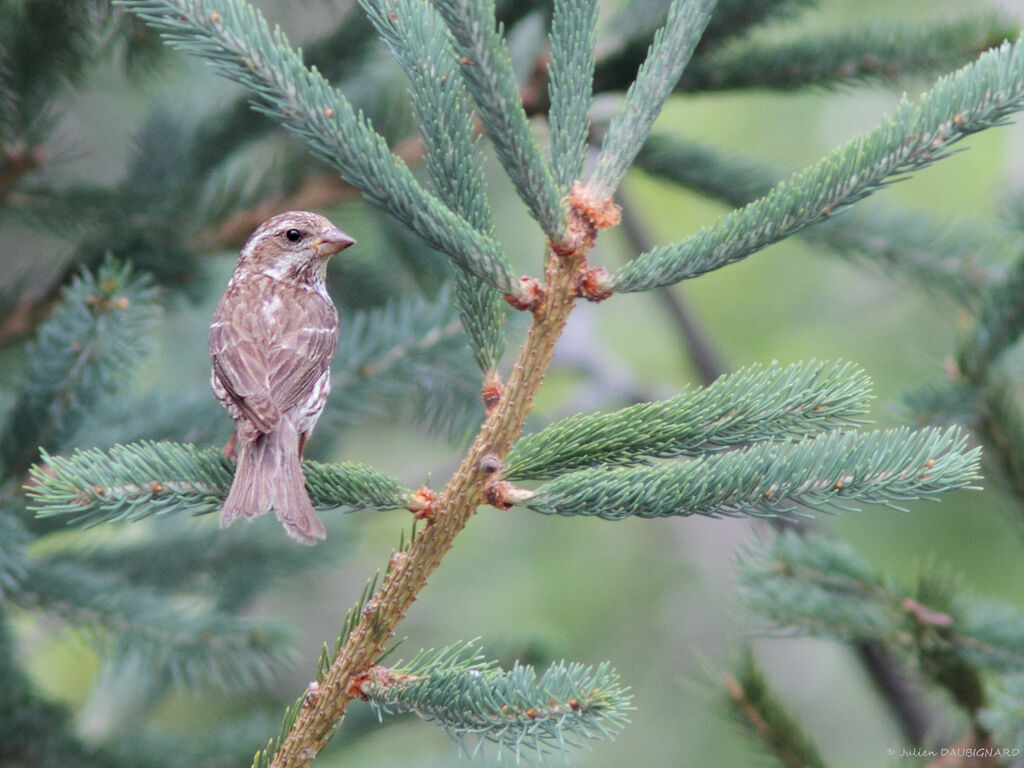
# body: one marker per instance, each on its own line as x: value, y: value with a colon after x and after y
x: 656, y: 598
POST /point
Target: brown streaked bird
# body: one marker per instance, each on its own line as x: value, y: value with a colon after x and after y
x: 272, y: 338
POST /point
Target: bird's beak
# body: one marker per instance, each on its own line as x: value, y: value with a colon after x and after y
x: 332, y: 241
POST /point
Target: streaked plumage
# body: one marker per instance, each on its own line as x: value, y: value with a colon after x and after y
x: 272, y: 338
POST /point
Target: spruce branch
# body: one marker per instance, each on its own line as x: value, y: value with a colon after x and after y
x: 769, y: 479
x: 631, y: 32
x: 16, y: 162
x: 669, y: 53
x: 236, y: 39
x: 570, y: 86
x: 999, y: 421
x: 188, y: 645
x: 13, y: 540
x: 413, y: 350
x: 340, y: 55
x: 481, y: 315
x: 43, y: 47
x: 954, y: 257
x: 882, y: 52
x: 752, y: 405
x: 148, y: 216
x: 979, y: 96
x: 474, y: 699
x: 33, y: 730
x: 343, y: 674
x: 92, y: 342
x: 139, y: 480
x: 1003, y: 717
x: 129, y: 482
x: 999, y: 327
x: 735, y: 18
x: 486, y: 67
x: 350, y: 486
x: 265, y: 757
x: 446, y: 513
x: 230, y: 570
x: 415, y: 34
x: 820, y: 587
x: 759, y: 714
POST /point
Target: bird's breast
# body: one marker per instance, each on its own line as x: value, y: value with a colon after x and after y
x: 270, y: 309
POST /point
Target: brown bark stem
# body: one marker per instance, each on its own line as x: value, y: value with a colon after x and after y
x: 17, y: 161
x: 456, y: 503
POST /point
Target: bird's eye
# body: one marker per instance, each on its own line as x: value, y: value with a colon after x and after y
x: 293, y: 235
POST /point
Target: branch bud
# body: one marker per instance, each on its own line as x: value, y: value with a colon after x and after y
x: 601, y: 212
x: 504, y: 495
x: 423, y: 503
x: 359, y: 685
x: 530, y: 296
x: 491, y: 392
x: 593, y: 284
x: 490, y: 463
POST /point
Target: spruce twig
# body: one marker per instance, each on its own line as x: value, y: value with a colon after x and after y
x: 669, y: 53
x: 414, y: 349
x: 413, y: 32
x: 570, y: 83
x: 979, y: 96
x: 847, y: 57
x: 448, y: 515
x: 634, y: 27
x: 752, y: 405
x: 139, y: 480
x: 820, y: 587
x: 769, y: 479
x: 515, y: 709
x: 954, y: 257
x: 226, y: 33
x: 186, y: 644
x: 487, y: 70
x: 86, y: 350
x: 759, y: 714
x: 237, y: 40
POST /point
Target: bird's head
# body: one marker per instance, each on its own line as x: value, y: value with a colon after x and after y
x: 294, y: 246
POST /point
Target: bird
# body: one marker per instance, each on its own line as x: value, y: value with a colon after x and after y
x: 272, y: 338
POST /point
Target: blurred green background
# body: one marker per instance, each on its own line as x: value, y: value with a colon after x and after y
x: 656, y: 598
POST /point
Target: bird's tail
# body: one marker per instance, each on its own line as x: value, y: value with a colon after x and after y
x: 268, y: 477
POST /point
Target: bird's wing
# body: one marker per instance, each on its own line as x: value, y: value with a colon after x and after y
x: 268, y: 350
x: 306, y: 344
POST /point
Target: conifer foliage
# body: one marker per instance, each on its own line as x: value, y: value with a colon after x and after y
x: 88, y: 441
